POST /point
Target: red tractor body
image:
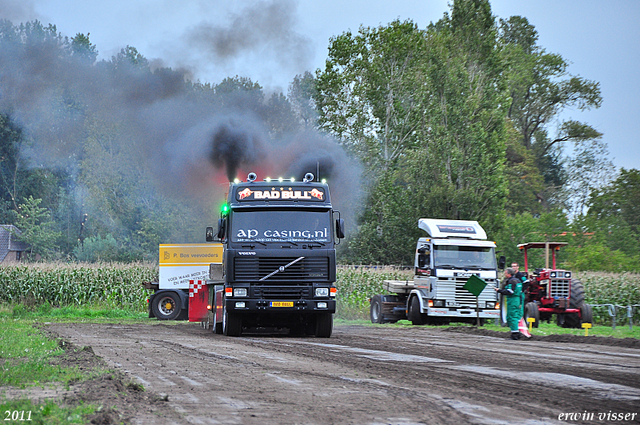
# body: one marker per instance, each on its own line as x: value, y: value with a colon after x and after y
x: 553, y: 291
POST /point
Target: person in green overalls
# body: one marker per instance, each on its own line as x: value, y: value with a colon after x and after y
x: 512, y: 290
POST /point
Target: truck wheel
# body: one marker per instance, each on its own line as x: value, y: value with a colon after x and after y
x: 503, y: 310
x: 231, y: 323
x: 531, y: 310
x: 324, y: 325
x: 416, y: 317
x: 166, y: 306
x: 217, y: 326
x: 375, y: 311
x: 586, y: 314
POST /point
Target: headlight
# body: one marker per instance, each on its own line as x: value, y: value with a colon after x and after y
x: 490, y: 304
x: 240, y: 304
x: 322, y: 292
x: 239, y: 292
x: 321, y: 305
x: 567, y: 274
x: 552, y: 274
x: 438, y: 303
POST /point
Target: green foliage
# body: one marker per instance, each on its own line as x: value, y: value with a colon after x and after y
x: 598, y: 257
x: 57, y: 284
x: 36, y: 228
x: 47, y: 413
x: 618, y: 289
x: 97, y: 249
x: 357, y: 284
x: 25, y: 359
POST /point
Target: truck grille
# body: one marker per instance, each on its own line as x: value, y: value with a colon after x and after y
x: 453, y: 290
x: 281, y: 292
x: 256, y: 268
x: 559, y: 288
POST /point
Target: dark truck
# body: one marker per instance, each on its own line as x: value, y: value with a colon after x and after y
x: 279, y: 262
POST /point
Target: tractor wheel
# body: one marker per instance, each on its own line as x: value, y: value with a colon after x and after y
x: 572, y: 320
x: 166, y: 306
x: 375, y: 311
x: 577, y: 294
x: 531, y: 310
x: 416, y: 317
x: 586, y: 314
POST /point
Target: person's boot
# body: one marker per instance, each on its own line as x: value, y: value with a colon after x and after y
x: 515, y: 335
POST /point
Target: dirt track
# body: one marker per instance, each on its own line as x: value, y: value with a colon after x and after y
x: 364, y: 375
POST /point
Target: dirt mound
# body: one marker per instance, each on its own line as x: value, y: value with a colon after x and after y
x: 574, y: 339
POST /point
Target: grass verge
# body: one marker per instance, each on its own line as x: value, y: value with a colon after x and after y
x: 32, y: 362
x: 544, y: 329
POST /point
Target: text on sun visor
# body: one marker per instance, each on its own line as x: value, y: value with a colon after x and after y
x: 280, y: 193
x: 456, y: 229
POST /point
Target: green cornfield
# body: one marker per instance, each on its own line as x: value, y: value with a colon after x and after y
x: 621, y: 290
x: 357, y: 284
x: 120, y: 285
x: 61, y: 284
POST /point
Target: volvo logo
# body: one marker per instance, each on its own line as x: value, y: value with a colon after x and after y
x: 246, y: 253
x: 281, y: 268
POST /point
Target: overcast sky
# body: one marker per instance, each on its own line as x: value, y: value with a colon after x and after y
x: 273, y: 40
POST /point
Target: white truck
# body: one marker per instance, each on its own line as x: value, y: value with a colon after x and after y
x: 454, y: 251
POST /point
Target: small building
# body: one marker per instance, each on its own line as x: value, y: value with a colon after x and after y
x: 12, y: 250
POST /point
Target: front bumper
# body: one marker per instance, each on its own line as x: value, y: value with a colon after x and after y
x: 463, y: 312
x: 306, y: 306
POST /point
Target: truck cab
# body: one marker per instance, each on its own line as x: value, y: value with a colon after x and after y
x: 279, y: 265
x: 454, y: 251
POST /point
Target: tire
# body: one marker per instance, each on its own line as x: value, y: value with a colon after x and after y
x: 166, y: 306
x: 572, y: 320
x: 231, y: 323
x: 375, y: 311
x: 416, y: 317
x: 503, y: 310
x: 217, y: 326
x: 324, y: 325
x: 577, y: 294
x: 531, y: 310
x: 586, y: 314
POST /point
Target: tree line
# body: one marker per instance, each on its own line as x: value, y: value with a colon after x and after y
x: 100, y: 159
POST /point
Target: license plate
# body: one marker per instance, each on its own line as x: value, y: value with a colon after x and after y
x: 281, y: 304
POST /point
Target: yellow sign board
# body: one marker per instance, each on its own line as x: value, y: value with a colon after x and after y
x: 181, y: 263
x: 199, y: 253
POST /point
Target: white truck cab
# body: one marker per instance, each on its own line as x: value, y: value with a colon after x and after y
x: 454, y: 251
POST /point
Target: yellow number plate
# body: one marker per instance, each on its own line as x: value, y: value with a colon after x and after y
x: 281, y: 303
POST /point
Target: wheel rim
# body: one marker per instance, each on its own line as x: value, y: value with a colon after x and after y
x: 375, y: 312
x: 166, y: 306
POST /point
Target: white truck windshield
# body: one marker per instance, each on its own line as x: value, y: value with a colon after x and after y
x: 464, y: 257
x: 281, y: 225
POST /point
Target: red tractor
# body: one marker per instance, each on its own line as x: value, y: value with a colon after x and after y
x: 552, y: 291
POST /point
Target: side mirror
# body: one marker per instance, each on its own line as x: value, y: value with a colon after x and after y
x: 222, y: 228
x: 209, y: 234
x: 502, y: 261
x: 340, y: 228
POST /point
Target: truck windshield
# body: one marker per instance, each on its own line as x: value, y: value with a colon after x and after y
x: 281, y: 225
x: 465, y: 257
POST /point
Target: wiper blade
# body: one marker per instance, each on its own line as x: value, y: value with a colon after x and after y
x: 447, y: 266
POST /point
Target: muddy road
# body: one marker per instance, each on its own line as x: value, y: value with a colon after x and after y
x: 367, y: 375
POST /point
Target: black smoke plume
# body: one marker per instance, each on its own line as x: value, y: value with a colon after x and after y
x: 232, y: 147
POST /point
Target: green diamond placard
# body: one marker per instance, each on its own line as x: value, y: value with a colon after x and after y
x: 475, y: 285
